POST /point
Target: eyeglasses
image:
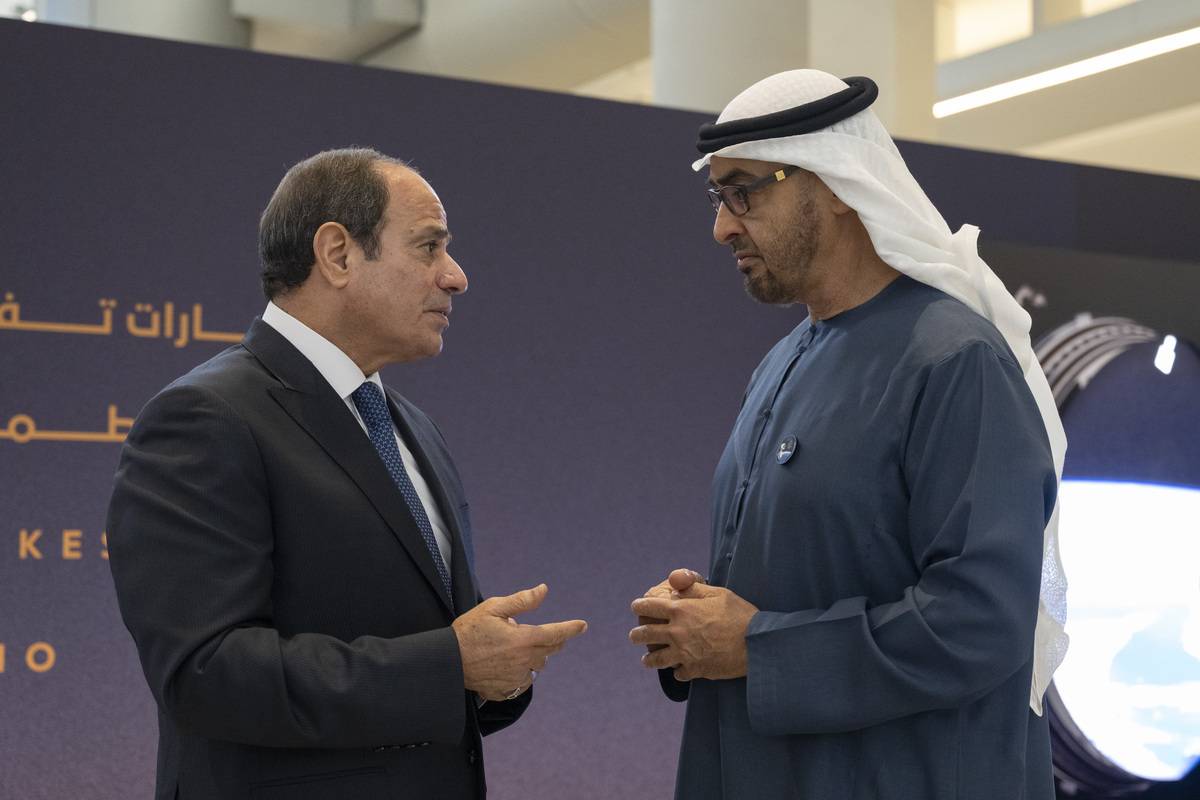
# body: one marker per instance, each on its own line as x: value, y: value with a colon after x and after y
x: 737, y: 198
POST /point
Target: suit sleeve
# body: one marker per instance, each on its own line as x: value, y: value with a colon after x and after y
x: 190, y: 547
x: 981, y: 483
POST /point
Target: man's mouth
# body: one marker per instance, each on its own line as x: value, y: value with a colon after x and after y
x: 745, y: 259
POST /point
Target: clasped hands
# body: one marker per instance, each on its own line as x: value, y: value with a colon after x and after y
x: 501, y: 657
x: 696, y: 629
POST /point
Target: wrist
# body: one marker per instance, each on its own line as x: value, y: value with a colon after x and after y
x: 461, y: 650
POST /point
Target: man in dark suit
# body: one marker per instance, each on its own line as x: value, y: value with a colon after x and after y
x: 290, y: 540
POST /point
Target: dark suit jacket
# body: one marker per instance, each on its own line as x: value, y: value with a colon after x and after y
x: 287, y: 613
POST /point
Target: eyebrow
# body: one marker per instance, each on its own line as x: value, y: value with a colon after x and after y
x: 427, y: 232
x: 723, y: 180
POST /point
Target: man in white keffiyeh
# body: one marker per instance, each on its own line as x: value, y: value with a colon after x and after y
x: 885, y: 602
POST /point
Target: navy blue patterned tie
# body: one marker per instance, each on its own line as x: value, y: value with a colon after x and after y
x: 368, y: 399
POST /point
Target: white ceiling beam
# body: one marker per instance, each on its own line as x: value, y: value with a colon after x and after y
x: 1142, y: 89
x: 1065, y: 43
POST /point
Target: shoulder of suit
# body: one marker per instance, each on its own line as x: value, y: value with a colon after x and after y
x: 234, y: 375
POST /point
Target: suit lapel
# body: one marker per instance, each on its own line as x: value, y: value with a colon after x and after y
x: 314, y: 406
x: 438, y: 476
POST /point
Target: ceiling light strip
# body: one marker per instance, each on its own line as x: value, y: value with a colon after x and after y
x: 1067, y: 72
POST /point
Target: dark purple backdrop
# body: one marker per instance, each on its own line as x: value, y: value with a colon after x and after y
x: 588, y: 381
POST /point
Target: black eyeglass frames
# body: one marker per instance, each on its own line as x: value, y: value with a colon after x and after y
x: 736, y: 197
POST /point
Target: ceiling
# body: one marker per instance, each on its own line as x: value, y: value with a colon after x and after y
x: 1143, y: 115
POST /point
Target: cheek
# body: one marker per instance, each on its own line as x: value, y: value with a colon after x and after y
x: 400, y: 293
x: 772, y: 241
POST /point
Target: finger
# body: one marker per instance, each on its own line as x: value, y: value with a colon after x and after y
x: 659, y: 590
x: 660, y: 607
x: 538, y: 664
x: 548, y: 650
x: 662, y: 659
x: 545, y: 652
x: 518, y: 602
x: 651, y: 634
x: 556, y: 633
x: 683, y: 674
x: 682, y: 579
x: 697, y: 591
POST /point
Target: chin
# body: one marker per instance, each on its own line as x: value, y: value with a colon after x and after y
x: 768, y: 290
x: 412, y: 351
x: 762, y: 291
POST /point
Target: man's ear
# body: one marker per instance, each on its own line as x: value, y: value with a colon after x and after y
x: 834, y: 202
x: 331, y: 247
x: 837, y: 206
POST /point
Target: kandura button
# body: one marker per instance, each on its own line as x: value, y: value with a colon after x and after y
x: 786, y: 449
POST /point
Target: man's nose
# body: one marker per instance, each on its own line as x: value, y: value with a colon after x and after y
x: 727, y: 227
x: 453, y: 279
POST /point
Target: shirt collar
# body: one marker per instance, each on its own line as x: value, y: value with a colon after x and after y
x: 337, y: 368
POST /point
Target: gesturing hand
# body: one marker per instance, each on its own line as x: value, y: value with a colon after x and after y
x: 498, y: 654
x: 702, y: 629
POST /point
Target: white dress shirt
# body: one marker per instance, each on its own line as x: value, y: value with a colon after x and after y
x: 340, y: 371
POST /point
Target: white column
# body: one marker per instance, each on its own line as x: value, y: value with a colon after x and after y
x: 706, y: 51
